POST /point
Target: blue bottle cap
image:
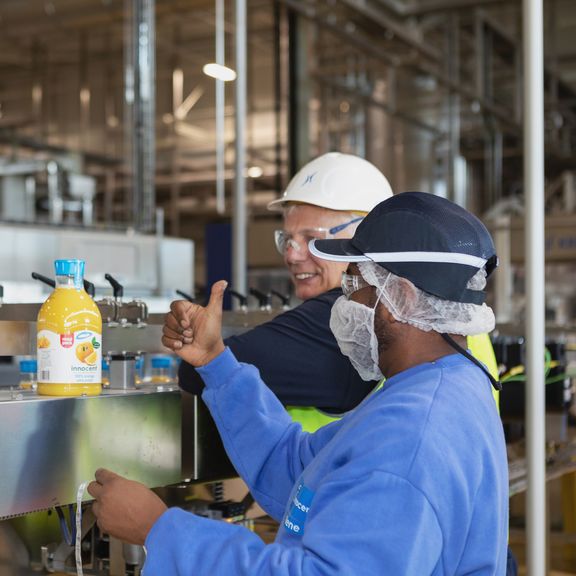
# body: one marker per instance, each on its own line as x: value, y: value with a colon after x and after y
x: 28, y: 366
x: 139, y: 362
x: 73, y: 268
x: 105, y: 365
x: 161, y: 362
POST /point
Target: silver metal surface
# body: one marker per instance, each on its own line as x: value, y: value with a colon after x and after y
x: 203, y: 455
x: 535, y: 317
x: 131, y: 258
x: 122, y: 372
x: 239, y: 217
x: 134, y: 312
x: 220, y: 110
x: 49, y: 446
x: 140, y: 101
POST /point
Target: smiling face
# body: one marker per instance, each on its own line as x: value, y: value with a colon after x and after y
x: 312, y: 276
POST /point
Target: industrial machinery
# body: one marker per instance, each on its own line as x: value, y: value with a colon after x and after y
x: 46, y: 191
x: 150, y: 433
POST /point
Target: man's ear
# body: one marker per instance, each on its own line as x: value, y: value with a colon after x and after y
x: 407, y: 301
x: 409, y: 296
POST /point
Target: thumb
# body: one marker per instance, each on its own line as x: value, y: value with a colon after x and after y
x: 103, y: 475
x: 216, y: 297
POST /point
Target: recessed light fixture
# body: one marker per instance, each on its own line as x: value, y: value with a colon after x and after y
x: 255, y: 172
x: 219, y: 72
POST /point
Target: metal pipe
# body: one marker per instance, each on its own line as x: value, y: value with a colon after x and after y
x: 368, y: 47
x: 399, y: 31
x: 140, y: 100
x: 279, y: 40
x: 534, y: 242
x: 368, y: 98
x: 220, y: 104
x: 239, y: 222
x: 444, y: 5
x: 453, y: 103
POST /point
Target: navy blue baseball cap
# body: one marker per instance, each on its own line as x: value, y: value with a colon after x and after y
x: 436, y: 244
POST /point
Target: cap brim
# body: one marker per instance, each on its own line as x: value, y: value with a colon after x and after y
x: 276, y: 205
x: 339, y: 250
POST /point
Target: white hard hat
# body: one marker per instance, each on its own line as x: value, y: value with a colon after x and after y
x: 338, y: 182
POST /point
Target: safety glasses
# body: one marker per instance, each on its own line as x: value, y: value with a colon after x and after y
x: 352, y: 283
x: 299, y: 241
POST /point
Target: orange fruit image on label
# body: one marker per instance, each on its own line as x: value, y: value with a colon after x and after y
x: 85, y: 351
x: 91, y: 358
x: 43, y: 342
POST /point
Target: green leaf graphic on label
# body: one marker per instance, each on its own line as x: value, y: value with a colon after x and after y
x: 95, y: 343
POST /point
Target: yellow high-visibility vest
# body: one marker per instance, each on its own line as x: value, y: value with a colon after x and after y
x: 480, y: 346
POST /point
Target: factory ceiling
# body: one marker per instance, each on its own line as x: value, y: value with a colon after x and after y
x: 440, y: 78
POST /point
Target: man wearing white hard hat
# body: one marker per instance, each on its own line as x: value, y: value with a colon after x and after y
x: 327, y: 199
x: 295, y: 352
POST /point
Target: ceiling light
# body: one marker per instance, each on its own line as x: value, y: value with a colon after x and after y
x: 85, y: 96
x: 255, y: 171
x: 219, y: 72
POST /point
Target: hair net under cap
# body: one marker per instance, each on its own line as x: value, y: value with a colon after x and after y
x: 413, y: 306
x: 436, y: 244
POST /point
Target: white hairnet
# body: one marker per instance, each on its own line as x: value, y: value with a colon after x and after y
x: 413, y: 306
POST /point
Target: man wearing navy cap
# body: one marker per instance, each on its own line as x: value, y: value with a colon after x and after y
x: 414, y: 481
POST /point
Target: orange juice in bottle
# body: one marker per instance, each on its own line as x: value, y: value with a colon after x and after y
x: 69, y: 341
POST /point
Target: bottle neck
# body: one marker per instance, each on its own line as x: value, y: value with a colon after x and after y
x: 68, y: 282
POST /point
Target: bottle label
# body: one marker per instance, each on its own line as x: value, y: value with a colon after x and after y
x: 74, y: 358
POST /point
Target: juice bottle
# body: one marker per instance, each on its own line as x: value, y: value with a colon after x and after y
x: 69, y: 337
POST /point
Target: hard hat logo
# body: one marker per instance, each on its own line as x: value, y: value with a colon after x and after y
x: 309, y: 178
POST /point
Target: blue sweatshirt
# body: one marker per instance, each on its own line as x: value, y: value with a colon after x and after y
x: 413, y: 482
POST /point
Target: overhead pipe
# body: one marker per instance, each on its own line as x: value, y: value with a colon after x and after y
x: 398, y: 30
x: 453, y: 109
x: 140, y: 100
x: 239, y: 220
x: 220, y: 109
x: 388, y: 108
x: 279, y: 41
x: 534, y: 257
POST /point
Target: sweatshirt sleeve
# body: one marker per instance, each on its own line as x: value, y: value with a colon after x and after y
x: 380, y: 523
x: 267, y: 449
x: 298, y: 358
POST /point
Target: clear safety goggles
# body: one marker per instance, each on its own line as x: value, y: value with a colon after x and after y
x: 352, y: 283
x: 299, y: 241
